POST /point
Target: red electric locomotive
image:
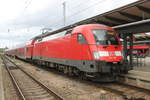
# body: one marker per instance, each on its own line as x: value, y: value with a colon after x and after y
x: 91, y: 50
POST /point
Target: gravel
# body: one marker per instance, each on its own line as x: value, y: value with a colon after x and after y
x: 71, y: 89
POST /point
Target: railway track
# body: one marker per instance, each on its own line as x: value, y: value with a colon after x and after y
x: 28, y: 87
x: 127, y: 92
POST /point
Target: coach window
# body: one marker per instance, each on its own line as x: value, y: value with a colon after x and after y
x: 81, y: 39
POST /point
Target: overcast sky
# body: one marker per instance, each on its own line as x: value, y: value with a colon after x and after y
x: 20, y: 20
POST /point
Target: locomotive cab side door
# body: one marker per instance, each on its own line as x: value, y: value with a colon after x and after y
x: 82, y: 47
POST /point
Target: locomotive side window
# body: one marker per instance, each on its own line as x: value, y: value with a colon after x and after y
x: 81, y: 39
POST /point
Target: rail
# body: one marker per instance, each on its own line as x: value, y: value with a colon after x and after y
x: 23, y: 97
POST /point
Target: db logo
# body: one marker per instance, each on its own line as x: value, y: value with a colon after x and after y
x: 111, y: 53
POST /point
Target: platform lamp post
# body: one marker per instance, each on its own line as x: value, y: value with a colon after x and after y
x: 64, y: 13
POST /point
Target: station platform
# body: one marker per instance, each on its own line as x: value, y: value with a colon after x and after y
x: 139, y: 76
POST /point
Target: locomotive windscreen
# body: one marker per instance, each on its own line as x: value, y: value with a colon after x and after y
x: 105, y: 37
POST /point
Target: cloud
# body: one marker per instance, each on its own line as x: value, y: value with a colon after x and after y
x: 25, y: 25
x: 25, y: 21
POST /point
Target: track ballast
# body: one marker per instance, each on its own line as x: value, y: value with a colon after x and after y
x: 28, y: 87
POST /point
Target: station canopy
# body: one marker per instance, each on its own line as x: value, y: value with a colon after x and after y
x: 132, y: 18
x: 142, y: 36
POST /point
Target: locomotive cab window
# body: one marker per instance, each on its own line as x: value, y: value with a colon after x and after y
x: 81, y: 39
x: 105, y: 37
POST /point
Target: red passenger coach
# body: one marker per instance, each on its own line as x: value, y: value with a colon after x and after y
x: 11, y: 52
x: 29, y: 49
x: 23, y: 51
x: 141, y: 50
x: 91, y: 50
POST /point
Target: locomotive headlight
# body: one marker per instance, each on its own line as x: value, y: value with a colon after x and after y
x: 118, y: 53
x: 103, y: 53
x: 96, y: 55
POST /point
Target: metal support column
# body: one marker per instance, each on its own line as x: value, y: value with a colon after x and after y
x: 131, y: 49
x: 125, y: 53
x: 125, y: 47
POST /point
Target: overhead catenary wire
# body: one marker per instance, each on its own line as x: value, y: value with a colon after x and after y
x: 28, y: 2
x: 85, y: 9
x: 70, y: 16
x: 77, y: 12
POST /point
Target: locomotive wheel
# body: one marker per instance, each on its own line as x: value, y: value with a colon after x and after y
x: 76, y: 71
x: 70, y: 71
x: 82, y: 76
x: 65, y: 70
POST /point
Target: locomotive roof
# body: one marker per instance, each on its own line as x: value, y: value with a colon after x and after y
x: 80, y: 26
x: 91, y: 25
